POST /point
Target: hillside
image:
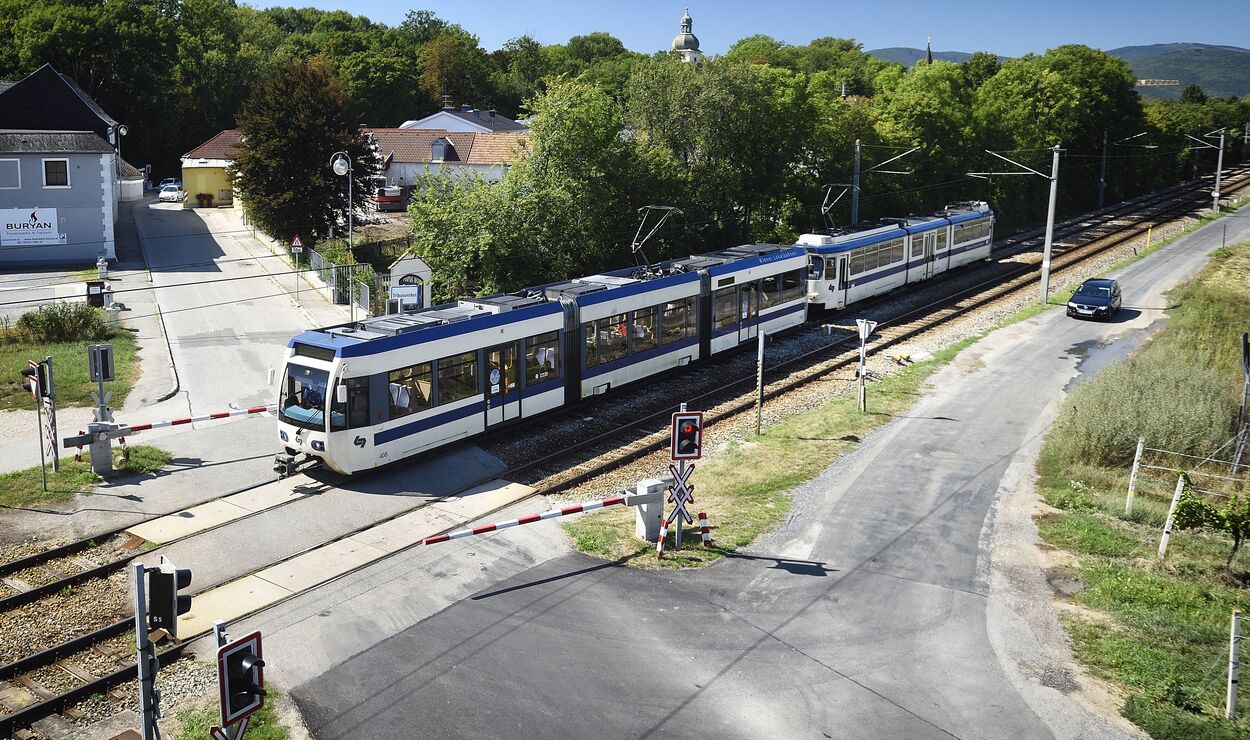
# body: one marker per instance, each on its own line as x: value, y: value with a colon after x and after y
x: 1219, y: 70
x: 907, y: 56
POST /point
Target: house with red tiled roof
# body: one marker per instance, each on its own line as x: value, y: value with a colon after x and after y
x: 410, y: 154
x: 205, y: 170
x: 407, y: 155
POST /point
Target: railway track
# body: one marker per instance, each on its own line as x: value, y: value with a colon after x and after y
x: 101, y: 658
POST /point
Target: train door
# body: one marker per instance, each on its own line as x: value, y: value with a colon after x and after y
x: 748, y: 311
x: 930, y: 254
x: 503, y: 389
x: 843, y: 283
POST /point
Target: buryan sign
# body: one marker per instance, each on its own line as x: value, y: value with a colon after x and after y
x: 23, y: 227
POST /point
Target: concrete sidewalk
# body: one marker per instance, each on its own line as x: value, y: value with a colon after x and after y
x: 153, y: 395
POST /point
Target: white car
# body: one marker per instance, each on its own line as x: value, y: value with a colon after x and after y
x: 172, y: 193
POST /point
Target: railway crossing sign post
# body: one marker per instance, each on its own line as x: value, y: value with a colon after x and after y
x: 297, y: 248
x: 39, y: 382
x: 687, y: 445
x: 865, y: 331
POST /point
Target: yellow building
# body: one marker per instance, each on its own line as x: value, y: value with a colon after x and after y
x: 204, y: 171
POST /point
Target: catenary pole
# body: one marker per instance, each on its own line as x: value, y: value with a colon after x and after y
x: 1050, y: 223
x: 855, y: 187
x: 1219, y: 166
x: 1102, y: 171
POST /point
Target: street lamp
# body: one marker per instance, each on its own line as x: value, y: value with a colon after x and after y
x: 341, y: 163
x: 1050, y: 211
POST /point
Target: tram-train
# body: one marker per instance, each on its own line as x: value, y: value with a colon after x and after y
x: 360, y: 395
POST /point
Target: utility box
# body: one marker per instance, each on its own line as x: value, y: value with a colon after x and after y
x: 647, y: 516
x: 95, y: 293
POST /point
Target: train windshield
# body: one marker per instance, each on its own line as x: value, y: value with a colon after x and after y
x: 303, y: 400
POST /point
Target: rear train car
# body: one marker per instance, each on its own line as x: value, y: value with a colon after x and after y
x: 365, y: 394
x: 850, y: 264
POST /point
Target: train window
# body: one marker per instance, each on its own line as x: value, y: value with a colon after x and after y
x: 542, y: 358
x: 831, y: 269
x: 941, y: 242
x: 770, y: 291
x: 613, y: 337
x: 725, y: 308
x: 679, y: 320
x: 356, y: 413
x: 857, y: 263
x: 409, y: 389
x: 895, y: 250
x: 303, y: 401
x: 457, y: 377
x: 917, y: 245
x: 792, y: 286
x: 815, y: 265
x: 642, y: 330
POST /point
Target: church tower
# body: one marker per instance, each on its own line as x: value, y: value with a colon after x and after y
x: 686, y: 43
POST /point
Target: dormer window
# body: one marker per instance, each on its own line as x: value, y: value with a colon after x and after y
x: 438, y: 150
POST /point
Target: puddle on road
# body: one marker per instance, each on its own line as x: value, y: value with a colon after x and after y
x: 1098, y: 354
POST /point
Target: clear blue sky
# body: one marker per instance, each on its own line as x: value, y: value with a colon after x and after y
x: 1007, y: 27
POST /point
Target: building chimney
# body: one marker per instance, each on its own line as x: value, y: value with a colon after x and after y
x: 466, y: 108
x: 492, y: 112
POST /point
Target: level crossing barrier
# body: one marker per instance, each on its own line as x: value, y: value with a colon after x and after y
x: 204, y: 417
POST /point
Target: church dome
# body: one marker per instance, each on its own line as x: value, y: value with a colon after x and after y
x: 686, y: 40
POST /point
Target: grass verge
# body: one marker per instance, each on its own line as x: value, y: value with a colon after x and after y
x: 69, y: 370
x: 25, y: 487
x: 263, y: 725
x: 1157, y: 629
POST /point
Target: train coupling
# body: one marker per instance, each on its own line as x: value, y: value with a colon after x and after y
x: 284, y: 465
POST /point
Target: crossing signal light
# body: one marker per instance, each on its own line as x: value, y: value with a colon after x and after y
x: 35, y: 379
x: 687, y: 436
x: 164, y: 601
x: 240, y: 670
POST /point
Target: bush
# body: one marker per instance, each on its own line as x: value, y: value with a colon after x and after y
x: 1176, y: 399
x: 62, y: 322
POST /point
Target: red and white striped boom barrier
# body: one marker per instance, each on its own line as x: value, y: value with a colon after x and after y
x: 205, y: 417
x: 529, y: 519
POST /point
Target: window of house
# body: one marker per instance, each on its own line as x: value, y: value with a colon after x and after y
x: 457, y: 377
x: 56, y: 173
x: 10, y: 174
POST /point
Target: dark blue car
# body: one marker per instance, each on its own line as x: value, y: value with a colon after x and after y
x: 1097, y: 298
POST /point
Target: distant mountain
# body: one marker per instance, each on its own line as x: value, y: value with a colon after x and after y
x: 1219, y: 70
x: 907, y: 56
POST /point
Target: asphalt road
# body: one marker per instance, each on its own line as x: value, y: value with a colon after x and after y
x: 864, y: 616
x: 224, y: 335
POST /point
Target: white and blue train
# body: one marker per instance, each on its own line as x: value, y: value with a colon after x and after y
x: 362, y: 395
x: 372, y: 392
x: 858, y: 262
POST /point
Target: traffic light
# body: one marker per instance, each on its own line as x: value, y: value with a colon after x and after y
x: 164, y: 601
x: 241, y: 674
x: 36, y: 379
x: 687, y: 436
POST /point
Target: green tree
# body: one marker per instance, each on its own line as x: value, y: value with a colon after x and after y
x: 1193, y: 94
x: 293, y: 121
x: 978, y: 68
